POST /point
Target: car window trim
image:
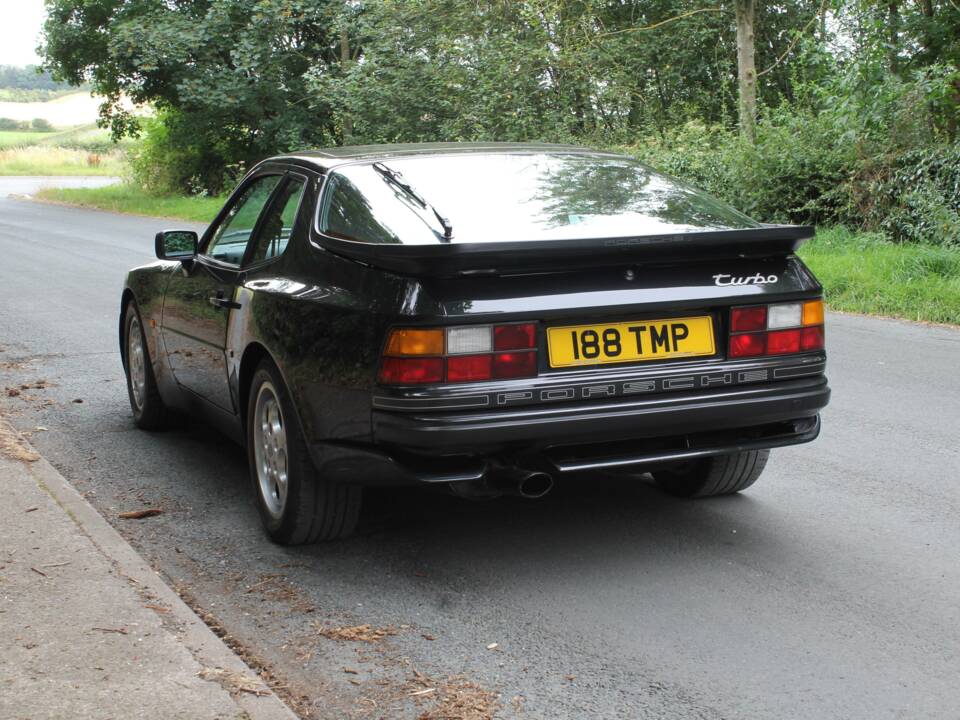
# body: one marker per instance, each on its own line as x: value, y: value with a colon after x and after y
x: 274, y: 197
x: 266, y: 171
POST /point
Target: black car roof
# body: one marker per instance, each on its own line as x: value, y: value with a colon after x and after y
x: 330, y: 157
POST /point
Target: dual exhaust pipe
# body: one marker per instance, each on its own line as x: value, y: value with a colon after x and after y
x: 515, y: 481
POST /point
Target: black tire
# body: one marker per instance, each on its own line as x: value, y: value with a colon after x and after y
x: 149, y: 412
x: 720, y: 475
x: 312, y: 508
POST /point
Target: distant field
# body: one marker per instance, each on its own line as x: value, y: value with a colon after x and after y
x: 78, y: 108
x: 49, y: 160
x: 9, y: 138
x: 83, y: 137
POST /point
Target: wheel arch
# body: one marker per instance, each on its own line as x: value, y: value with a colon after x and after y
x: 125, y: 301
x: 253, y: 355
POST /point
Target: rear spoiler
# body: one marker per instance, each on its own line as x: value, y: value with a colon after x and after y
x: 496, y: 258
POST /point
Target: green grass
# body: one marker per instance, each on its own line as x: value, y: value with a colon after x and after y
x: 861, y: 272
x: 47, y: 160
x: 82, y: 137
x: 21, y: 138
x: 129, y: 199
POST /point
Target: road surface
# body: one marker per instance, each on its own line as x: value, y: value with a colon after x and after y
x: 831, y: 589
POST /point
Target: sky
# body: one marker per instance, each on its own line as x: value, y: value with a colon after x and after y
x: 20, y: 28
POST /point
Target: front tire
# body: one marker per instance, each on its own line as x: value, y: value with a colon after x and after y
x: 296, y: 505
x: 720, y: 475
x: 149, y: 412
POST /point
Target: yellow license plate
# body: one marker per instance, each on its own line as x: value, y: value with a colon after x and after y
x: 630, y: 341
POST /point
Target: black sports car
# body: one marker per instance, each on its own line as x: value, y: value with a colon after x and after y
x: 485, y: 316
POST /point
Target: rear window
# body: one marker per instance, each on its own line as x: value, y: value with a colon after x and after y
x: 513, y: 198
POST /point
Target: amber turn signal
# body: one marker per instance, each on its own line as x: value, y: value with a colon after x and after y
x: 813, y: 312
x: 415, y: 342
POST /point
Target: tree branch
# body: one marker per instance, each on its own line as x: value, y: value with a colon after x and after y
x: 663, y: 22
x: 793, y: 44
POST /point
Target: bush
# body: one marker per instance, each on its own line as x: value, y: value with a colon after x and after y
x: 41, y: 125
x: 917, y: 198
x: 171, y: 160
x: 790, y: 174
x: 14, y: 125
x: 807, y: 168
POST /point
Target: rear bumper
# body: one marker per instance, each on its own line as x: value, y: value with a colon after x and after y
x: 529, y: 429
x: 636, y: 434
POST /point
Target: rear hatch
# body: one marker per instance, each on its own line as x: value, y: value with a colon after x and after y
x: 616, y: 266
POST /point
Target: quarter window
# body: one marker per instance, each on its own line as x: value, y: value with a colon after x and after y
x: 274, y: 233
x: 229, y: 241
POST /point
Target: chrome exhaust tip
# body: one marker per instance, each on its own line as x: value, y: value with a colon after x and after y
x: 535, y: 485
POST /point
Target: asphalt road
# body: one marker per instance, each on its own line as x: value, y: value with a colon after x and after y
x: 831, y: 589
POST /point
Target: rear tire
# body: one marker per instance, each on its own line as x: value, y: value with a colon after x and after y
x: 296, y: 505
x: 149, y: 412
x: 720, y: 475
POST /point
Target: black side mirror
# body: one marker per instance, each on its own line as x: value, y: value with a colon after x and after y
x: 176, y: 244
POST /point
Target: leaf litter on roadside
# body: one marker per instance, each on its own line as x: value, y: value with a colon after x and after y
x: 12, y: 445
x: 356, y: 633
x: 234, y: 682
x: 453, y: 697
x: 140, y: 514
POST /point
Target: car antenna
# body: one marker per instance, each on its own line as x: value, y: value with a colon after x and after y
x: 396, y: 178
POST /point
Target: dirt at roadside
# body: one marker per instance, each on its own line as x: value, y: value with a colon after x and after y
x: 12, y: 445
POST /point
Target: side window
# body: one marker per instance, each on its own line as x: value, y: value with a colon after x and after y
x: 278, y: 223
x: 229, y: 241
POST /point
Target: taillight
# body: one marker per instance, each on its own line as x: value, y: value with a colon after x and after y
x: 406, y: 371
x: 777, y: 329
x: 459, y: 354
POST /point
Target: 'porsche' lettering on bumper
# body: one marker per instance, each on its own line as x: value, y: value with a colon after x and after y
x: 704, y: 380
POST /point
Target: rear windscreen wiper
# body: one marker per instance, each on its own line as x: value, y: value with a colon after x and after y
x: 395, y: 178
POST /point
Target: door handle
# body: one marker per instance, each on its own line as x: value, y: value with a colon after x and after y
x: 219, y: 301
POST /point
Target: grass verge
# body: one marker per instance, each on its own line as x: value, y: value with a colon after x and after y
x: 861, y: 272
x: 43, y: 160
x: 126, y: 198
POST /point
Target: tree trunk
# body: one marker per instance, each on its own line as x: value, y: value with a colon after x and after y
x: 746, y: 68
x: 893, y: 26
x: 344, y: 65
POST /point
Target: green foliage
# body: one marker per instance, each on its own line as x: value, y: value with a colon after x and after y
x: 790, y: 174
x: 861, y: 148
x: 169, y: 159
x: 13, y: 125
x: 253, y: 77
x: 229, y: 74
x: 860, y: 101
x: 919, y: 199
x: 41, y: 125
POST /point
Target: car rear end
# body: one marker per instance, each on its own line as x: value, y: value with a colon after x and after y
x: 588, y: 348
x: 608, y: 368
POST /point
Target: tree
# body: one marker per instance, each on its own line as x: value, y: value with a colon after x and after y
x: 231, y: 72
x: 746, y: 68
